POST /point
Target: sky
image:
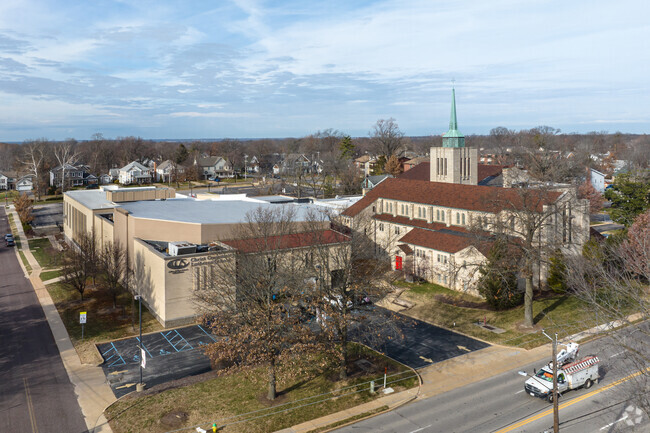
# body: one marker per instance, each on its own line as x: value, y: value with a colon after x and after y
x: 184, y: 69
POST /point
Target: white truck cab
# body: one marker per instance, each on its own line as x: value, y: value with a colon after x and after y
x: 571, y: 375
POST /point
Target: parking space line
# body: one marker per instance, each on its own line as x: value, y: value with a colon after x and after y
x: 206, y: 333
x: 144, y: 347
x: 119, y: 360
x: 180, y: 340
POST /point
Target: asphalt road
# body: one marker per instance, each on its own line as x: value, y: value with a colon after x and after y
x: 499, y: 404
x: 35, y: 392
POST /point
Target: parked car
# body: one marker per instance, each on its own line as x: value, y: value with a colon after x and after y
x: 10, y: 242
x: 9, y: 236
x: 92, y: 186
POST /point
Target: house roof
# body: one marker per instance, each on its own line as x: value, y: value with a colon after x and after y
x: 417, y: 160
x: 295, y: 240
x: 208, y: 161
x: 168, y: 164
x: 375, y: 180
x: 468, y: 197
x: 447, y: 241
x: 132, y: 165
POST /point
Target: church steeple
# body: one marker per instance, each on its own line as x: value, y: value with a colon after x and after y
x: 453, y: 137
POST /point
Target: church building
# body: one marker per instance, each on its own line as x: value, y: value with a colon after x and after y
x: 437, y: 221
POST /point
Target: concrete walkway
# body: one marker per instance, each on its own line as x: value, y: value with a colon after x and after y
x: 93, y: 393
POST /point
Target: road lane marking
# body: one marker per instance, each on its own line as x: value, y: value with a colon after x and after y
x: 463, y: 348
x: 619, y: 353
x: 30, y: 407
x: 429, y: 360
x: 623, y: 418
x: 520, y: 391
x: 570, y: 402
x: 421, y: 428
x: 128, y: 385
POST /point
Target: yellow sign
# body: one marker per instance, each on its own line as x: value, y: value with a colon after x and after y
x: 82, y: 317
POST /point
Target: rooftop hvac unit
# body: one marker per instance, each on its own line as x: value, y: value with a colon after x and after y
x: 180, y: 248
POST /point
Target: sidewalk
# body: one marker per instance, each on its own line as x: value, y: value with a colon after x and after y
x: 93, y: 393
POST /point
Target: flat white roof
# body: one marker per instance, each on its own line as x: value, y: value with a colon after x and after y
x: 207, y: 211
x: 92, y: 199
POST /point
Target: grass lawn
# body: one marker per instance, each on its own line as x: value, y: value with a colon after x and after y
x: 104, y: 322
x: 237, y: 401
x: 24, y: 260
x: 48, y: 275
x: 563, y: 314
x: 46, y: 255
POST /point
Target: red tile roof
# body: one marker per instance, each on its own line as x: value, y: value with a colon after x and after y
x: 417, y: 223
x: 436, y: 240
x: 295, y: 240
x: 447, y: 241
x: 486, y: 170
x: 422, y: 171
x: 468, y: 197
x: 418, y: 172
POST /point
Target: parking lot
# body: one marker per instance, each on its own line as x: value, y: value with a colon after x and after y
x: 170, y: 354
x: 48, y: 215
x: 174, y: 354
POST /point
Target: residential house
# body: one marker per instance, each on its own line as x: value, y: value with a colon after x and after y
x: 167, y: 170
x: 74, y: 175
x: 134, y: 173
x: 294, y: 163
x: 366, y: 164
x: 214, y: 166
x: 7, y: 181
x: 369, y: 182
x: 105, y: 179
x: 25, y: 183
x: 597, y: 180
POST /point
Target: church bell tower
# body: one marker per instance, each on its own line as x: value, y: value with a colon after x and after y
x: 453, y: 162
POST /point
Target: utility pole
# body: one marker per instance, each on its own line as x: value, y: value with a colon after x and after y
x: 140, y: 386
x: 556, y: 410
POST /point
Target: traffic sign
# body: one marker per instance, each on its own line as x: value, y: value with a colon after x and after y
x: 82, y: 317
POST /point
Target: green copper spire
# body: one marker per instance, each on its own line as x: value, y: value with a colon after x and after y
x: 453, y: 137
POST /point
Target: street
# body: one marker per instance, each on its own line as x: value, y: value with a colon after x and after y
x: 499, y: 404
x: 35, y: 392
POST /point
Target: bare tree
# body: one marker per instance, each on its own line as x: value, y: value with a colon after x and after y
x: 386, y: 137
x: 535, y: 222
x: 113, y: 268
x: 612, y: 281
x: 32, y: 159
x: 349, y: 272
x: 76, y: 267
x: 253, y: 297
x: 65, y: 154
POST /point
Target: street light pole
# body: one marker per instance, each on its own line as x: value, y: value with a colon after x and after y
x: 556, y: 411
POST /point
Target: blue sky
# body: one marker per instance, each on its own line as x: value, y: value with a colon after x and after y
x: 248, y: 68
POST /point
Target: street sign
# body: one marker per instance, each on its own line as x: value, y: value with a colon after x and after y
x: 82, y: 317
